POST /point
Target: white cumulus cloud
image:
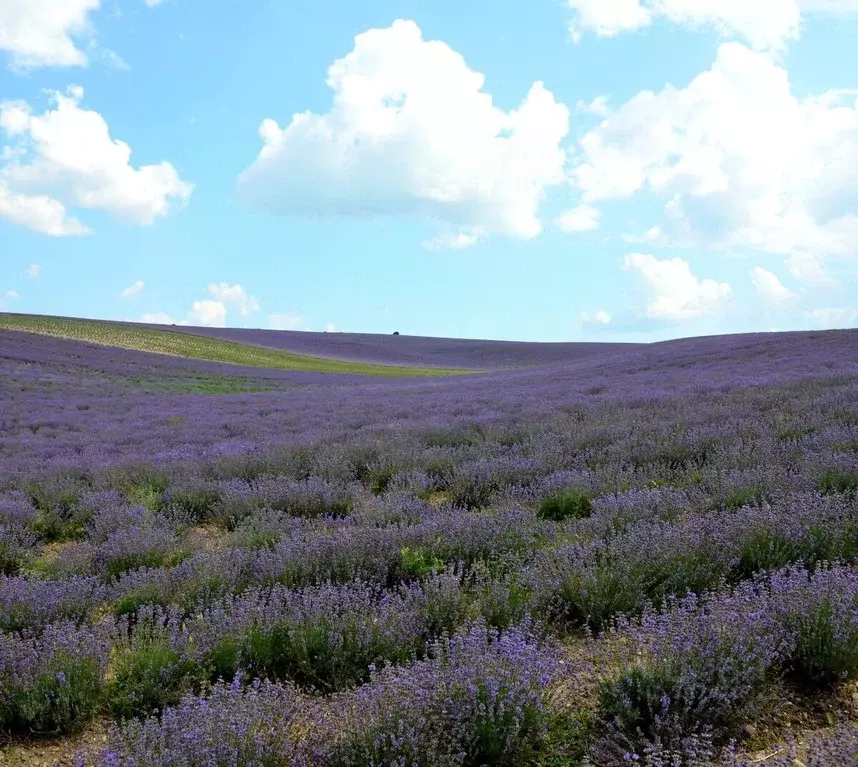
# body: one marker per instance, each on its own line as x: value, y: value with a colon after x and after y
x: 41, y: 33
x: 598, y: 106
x: 607, y: 18
x: 675, y: 293
x: 769, y: 287
x: 203, y: 313
x: 133, y: 290
x: 411, y: 131
x: 66, y: 157
x: 765, y: 24
x: 739, y: 160
x: 33, y: 271
x: 234, y: 296
x: 210, y: 312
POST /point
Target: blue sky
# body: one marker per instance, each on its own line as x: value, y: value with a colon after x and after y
x: 579, y: 170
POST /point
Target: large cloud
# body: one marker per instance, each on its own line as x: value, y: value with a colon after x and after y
x: 674, y: 292
x: 66, y: 157
x: 412, y: 131
x: 740, y: 161
x: 38, y: 33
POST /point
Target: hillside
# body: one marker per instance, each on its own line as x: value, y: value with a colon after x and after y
x: 176, y: 342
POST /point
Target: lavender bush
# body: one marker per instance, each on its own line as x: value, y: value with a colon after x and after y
x: 51, y: 683
x: 702, y: 667
x: 17, y: 548
x: 151, y: 664
x: 821, y: 613
x: 477, y: 700
x: 695, y: 669
x: 30, y: 603
x: 325, y: 637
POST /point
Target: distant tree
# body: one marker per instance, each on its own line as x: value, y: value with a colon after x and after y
x: 396, y: 332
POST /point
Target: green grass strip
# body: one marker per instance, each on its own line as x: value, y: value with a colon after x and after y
x: 179, y: 344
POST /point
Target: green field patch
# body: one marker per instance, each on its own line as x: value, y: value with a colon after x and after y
x: 176, y: 343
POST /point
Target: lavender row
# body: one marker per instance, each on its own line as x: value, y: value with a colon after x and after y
x: 326, y: 638
x: 650, y: 561
x: 476, y: 699
x: 620, y: 566
x: 386, y: 555
x: 322, y: 639
x: 729, y: 457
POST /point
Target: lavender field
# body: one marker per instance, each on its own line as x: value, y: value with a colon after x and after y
x: 599, y: 555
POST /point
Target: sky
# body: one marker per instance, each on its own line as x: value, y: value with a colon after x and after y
x: 557, y: 170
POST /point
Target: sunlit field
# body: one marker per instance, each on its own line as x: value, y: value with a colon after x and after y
x: 195, y: 346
